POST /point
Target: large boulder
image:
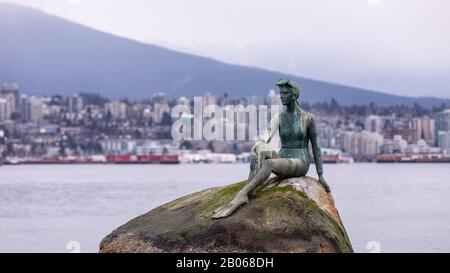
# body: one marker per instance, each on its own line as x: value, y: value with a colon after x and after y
x: 294, y: 215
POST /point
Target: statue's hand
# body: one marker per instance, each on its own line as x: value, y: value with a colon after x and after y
x: 254, y: 149
x: 324, y: 183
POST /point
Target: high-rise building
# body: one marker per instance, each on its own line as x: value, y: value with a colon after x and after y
x: 13, y: 88
x: 3, y: 111
x: 444, y: 141
x: 442, y: 123
x: 443, y: 120
x: 160, y: 106
x: 374, y: 124
x: 208, y: 99
x: 32, y: 109
x: 326, y: 134
x: 75, y: 103
x: 424, y: 128
x: 117, y: 109
x: 9, y: 105
x: 362, y: 145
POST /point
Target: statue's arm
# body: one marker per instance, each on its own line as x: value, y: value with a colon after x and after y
x: 260, y: 149
x: 317, y: 152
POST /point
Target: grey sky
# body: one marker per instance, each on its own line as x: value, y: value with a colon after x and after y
x: 395, y: 46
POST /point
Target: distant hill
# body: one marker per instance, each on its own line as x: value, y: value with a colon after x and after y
x: 50, y: 55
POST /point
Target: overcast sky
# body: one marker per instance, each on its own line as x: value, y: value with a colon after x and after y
x: 395, y: 46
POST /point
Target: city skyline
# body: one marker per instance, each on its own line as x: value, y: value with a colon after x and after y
x: 90, y: 128
x: 387, y: 46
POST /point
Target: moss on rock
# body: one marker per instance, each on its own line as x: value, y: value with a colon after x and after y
x: 296, y: 215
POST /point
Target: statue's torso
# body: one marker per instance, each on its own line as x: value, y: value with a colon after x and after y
x: 293, y: 136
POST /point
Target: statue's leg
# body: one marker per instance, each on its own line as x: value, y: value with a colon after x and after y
x: 263, y: 152
x: 290, y: 167
x: 260, y: 177
x: 283, y: 166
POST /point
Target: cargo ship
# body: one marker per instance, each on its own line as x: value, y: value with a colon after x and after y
x: 336, y: 158
x: 143, y: 159
x: 423, y: 158
x: 98, y: 159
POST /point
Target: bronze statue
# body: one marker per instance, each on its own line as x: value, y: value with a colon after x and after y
x: 296, y: 129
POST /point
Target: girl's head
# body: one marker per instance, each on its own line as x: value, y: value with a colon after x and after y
x: 289, y: 91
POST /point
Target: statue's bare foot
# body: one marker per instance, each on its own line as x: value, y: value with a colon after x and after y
x: 228, y: 208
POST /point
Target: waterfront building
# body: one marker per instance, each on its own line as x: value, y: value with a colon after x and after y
x: 444, y: 141
x: 362, y: 145
x: 442, y: 122
x: 396, y: 145
x: 424, y: 128
x: 119, y: 146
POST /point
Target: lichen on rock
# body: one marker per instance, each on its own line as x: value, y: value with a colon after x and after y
x: 293, y: 215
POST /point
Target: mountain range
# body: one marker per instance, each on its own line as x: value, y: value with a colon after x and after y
x: 48, y: 55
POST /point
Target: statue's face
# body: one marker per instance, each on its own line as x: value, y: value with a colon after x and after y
x: 286, y: 95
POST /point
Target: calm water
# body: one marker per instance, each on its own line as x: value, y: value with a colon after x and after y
x: 391, y: 207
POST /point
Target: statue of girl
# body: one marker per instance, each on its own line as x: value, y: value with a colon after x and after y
x: 296, y: 129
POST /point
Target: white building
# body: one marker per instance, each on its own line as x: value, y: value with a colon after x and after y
x: 137, y: 147
x: 374, y: 124
x: 444, y: 141
x: 208, y: 99
x: 3, y: 109
x: 119, y: 146
x: 33, y: 109
x: 424, y: 128
x: 362, y: 144
x: 9, y: 105
x: 75, y: 103
x: 395, y: 145
x: 117, y: 109
x: 160, y: 106
x: 13, y: 89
